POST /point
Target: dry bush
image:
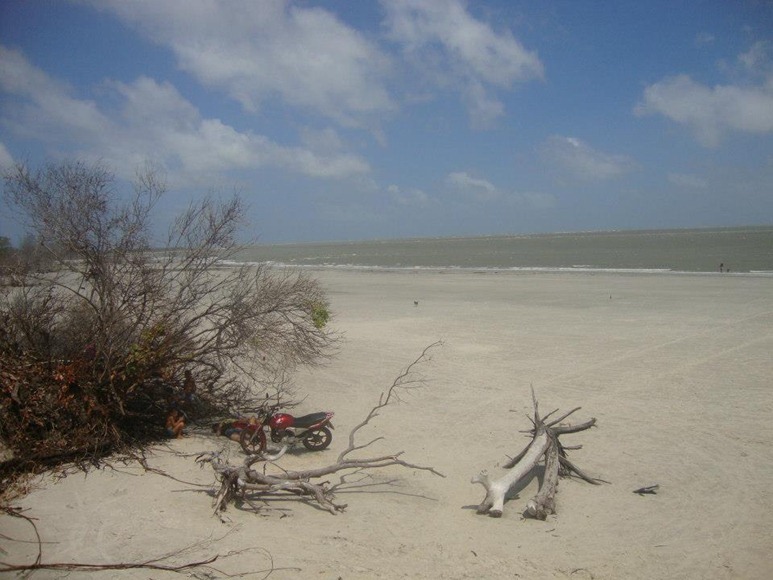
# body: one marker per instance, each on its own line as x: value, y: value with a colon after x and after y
x: 93, y: 351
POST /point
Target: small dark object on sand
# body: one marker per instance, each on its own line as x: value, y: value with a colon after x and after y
x: 651, y: 489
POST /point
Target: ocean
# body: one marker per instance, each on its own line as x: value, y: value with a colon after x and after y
x: 738, y: 250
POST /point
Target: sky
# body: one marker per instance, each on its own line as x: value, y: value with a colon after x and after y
x: 344, y: 120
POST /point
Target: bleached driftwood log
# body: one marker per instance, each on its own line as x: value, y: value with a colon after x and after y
x: 238, y: 481
x: 545, y: 444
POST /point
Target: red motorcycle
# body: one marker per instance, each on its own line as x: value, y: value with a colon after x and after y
x: 313, y: 430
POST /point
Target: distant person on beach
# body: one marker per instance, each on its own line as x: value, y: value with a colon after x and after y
x: 722, y: 267
x: 175, y: 423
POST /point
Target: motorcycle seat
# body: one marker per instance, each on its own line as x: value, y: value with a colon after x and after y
x: 309, y: 420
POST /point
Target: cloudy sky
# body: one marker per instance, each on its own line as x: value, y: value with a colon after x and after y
x: 345, y: 120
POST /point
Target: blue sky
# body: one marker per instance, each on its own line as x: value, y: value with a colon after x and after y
x: 403, y: 118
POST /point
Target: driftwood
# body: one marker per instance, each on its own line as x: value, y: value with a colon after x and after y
x: 236, y: 482
x: 545, y: 444
x: 648, y: 489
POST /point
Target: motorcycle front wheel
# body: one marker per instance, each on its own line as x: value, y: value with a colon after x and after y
x: 252, y: 442
x: 318, y: 439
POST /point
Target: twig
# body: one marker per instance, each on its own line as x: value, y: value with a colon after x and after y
x: 16, y: 513
x: 561, y: 418
x: 399, y: 383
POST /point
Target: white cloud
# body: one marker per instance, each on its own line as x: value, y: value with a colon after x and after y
x: 6, y: 159
x: 160, y: 118
x: 477, y: 187
x: 315, y: 165
x: 452, y: 47
x: 712, y: 112
x: 757, y: 59
x: 483, y: 108
x: 256, y: 51
x: 409, y: 197
x: 44, y: 102
x: 483, y: 190
x: 154, y: 121
x: 324, y: 140
x: 687, y: 180
x: 579, y: 160
x: 704, y: 39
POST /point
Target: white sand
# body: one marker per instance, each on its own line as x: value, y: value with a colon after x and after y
x: 676, y: 368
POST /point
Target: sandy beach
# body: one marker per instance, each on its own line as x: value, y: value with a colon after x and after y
x: 676, y: 368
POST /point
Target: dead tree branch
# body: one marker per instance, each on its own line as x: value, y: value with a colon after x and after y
x: 545, y: 444
x: 237, y: 481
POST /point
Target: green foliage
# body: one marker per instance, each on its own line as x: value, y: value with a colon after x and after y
x: 319, y: 314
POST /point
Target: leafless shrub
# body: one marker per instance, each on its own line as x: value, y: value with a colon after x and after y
x: 93, y: 351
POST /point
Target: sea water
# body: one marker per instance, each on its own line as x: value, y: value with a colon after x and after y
x: 734, y: 250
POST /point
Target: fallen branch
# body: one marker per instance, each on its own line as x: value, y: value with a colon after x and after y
x: 160, y: 563
x: 237, y: 481
x: 82, y: 567
x: 545, y: 444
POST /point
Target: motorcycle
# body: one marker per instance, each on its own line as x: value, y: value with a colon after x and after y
x: 313, y: 430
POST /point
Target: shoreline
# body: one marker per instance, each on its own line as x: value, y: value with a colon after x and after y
x: 497, y: 270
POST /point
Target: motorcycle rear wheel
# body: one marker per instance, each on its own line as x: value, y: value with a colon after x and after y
x: 252, y: 442
x: 318, y: 439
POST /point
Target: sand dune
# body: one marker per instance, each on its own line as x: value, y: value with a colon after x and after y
x: 676, y: 368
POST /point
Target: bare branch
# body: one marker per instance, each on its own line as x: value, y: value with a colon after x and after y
x: 236, y: 481
x: 562, y: 417
x: 402, y: 381
x: 561, y: 429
